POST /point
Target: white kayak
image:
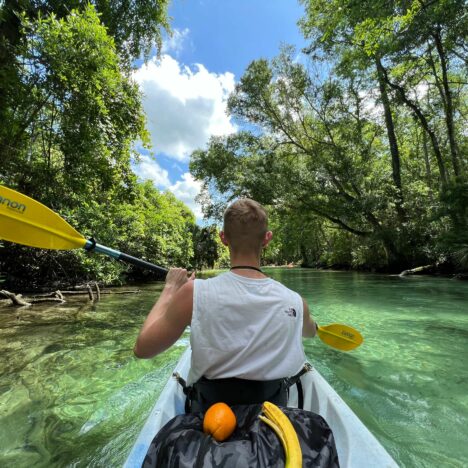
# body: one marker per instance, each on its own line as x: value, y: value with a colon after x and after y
x: 356, y: 446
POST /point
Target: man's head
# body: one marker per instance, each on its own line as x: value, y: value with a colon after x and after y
x: 245, y: 227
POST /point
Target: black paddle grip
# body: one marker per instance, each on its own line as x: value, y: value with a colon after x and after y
x: 142, y: 263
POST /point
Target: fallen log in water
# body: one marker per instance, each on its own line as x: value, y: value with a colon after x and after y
x: 58, y: 296
x: 416, y: 270
x: 461, y: 276
x: 18, y: 300
x: 105, y: 291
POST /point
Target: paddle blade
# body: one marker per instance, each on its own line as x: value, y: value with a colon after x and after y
x: 28, y: 222
x: 340, y: 336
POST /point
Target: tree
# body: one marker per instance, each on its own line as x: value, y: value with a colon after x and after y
x: 153, y: 226
x: 297, y: 238
x: 370, y: 147
x: 133, y: 28
x: 76, y: 112
x: 315, y: 154
x: 411, y: 44
x: 205, y: 247
x: 73, y: 117
x: 416, y: 52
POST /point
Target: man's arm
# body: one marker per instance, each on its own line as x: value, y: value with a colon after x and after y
x: 309, y: 328
x: 169, y: 317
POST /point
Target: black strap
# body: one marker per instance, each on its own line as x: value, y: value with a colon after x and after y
x: 187, y: 391
x: 290, y: 381
x: 296, y: 379
x: 203, y: 393
x: 234, y: 391
x: 246, y: 267
x: 300, y: 395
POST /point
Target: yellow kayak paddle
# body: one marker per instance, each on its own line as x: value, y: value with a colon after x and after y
x: 28, y: 222
x: 339, y: 336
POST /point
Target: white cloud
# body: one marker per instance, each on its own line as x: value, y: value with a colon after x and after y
x: 176, y: 42
x: 148, y: 168
x: 373, y: 107
x: 184, y: 106
x: 186, y: 190
x: 420, y: 91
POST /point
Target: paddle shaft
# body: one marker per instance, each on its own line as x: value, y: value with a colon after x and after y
x: 93, y: 246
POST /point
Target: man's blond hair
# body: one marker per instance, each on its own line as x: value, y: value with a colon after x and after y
x: 245, y: 225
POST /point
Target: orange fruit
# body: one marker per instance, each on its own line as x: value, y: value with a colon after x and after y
x: 219, y: 421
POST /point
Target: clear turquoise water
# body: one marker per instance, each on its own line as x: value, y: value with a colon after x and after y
x: 408, y: 382
x: 71, y: 393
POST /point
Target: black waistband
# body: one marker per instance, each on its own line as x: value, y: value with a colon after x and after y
x: 234, y: 391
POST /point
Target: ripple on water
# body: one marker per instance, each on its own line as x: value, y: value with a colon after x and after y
x: 408, y: 381
x: 71, y: 393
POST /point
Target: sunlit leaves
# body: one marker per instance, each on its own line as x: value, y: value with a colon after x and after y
x: 361, y: 148
x: 74, y: 116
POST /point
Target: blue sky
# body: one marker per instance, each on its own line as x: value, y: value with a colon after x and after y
x: 185, y: 92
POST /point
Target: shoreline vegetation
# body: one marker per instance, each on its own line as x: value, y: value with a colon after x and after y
x: 92, y: 291
x: 358, y: 150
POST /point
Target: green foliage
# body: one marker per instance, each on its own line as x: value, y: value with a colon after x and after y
x: 153, y: 226
x: 224, y: 258
x: 296, y: 239
x: 209, y: 251
x: 357, y: 165
x: 60, y: 63
x: 74, y: 114
x: 454, y: 213
x: 205, y: 246
x: 135, y: 27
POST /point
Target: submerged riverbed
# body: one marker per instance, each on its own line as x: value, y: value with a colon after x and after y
x: 72, y: 394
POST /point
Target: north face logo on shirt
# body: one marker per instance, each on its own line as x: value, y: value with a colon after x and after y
x: 291, y: 312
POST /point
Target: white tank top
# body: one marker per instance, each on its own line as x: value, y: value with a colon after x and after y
x: 246, y: 328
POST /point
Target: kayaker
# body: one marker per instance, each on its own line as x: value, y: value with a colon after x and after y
x: 246, y: 328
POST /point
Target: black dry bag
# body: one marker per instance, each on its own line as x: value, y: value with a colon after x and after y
x: 181, y: 443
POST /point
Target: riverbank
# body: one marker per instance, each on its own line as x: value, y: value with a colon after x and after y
x: 443, y: 270
x: 49, y: 288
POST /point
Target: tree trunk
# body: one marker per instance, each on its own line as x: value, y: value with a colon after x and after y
x: 305, y: 257
x: 417, y: 270
x: 425, y: 125
x: 9, y: 38
x: 392, y: 140
x: 448, y: 103
x: 427, y: 164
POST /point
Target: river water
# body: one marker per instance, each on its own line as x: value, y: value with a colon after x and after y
x: 72, y: 394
